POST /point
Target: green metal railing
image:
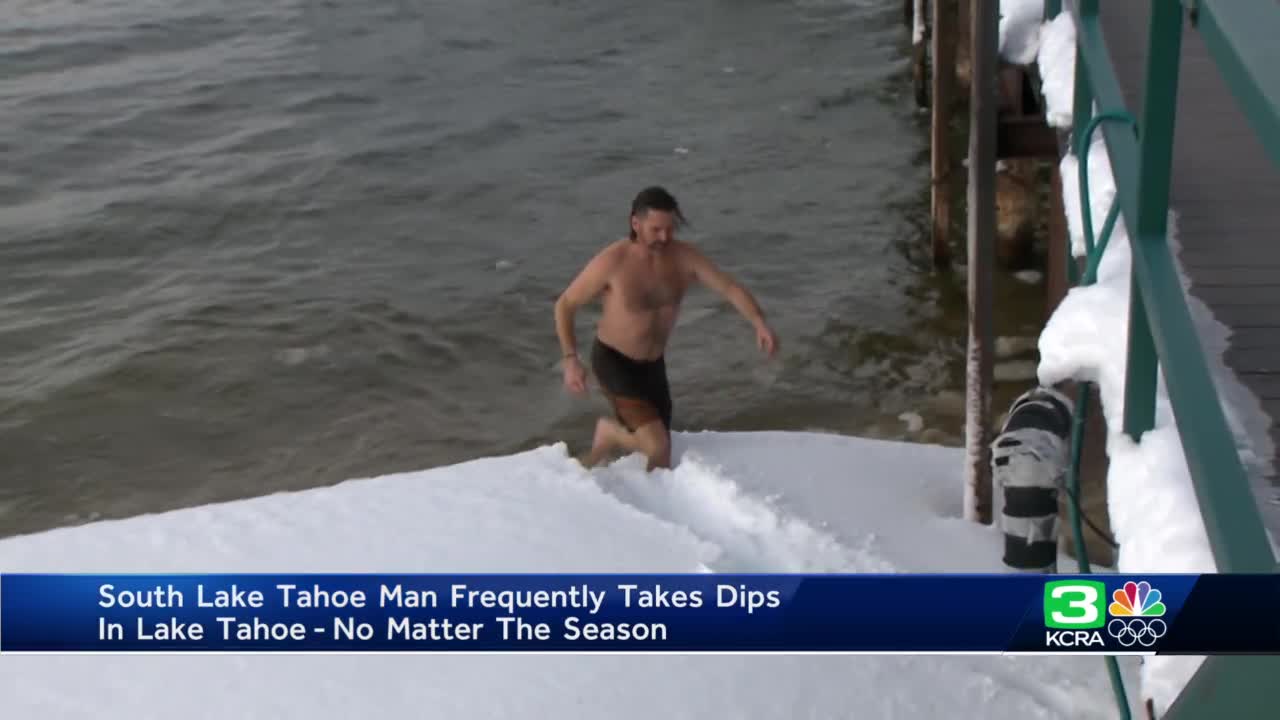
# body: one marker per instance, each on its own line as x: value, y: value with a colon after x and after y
x: 1240, y: 37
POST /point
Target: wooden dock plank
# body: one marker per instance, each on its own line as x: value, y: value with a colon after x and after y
x: 1240, y: 294
x: 1262, y: 360
x: 1268, y: 386
x: 1242, y: 316
x: 1226, y: 195
x: 1228, y: 256
x: 1271, y: 406
x: 1255, y: 338
x: 1256, y: 274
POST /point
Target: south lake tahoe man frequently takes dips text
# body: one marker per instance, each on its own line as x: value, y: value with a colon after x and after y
x: 643, y: 279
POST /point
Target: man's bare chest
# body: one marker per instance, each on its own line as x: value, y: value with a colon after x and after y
x: 649, y: 287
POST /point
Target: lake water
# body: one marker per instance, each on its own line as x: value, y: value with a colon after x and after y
x: 247, y: 249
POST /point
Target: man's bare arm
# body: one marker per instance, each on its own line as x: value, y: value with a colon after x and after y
x: 584, y: 288
x: 720, y: 282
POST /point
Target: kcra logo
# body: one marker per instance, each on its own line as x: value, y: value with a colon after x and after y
x: 1075, y: 614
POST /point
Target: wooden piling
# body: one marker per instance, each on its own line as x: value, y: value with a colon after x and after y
x: 963, y: 42
x: 943, y: 83
x: 1006, y: 122
x: 919, y: 51
x: 981, y: 239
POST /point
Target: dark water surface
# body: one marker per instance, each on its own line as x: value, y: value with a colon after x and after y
x: 250, y: 247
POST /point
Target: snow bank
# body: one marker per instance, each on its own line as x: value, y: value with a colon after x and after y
x: 1154, y: 512
x: 735, y: 502
x: 1020, y: 30
x: 1056, y: 59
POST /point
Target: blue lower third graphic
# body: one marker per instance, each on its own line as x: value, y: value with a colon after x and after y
x: 634, y: 613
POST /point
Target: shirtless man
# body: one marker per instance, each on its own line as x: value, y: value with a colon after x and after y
x: 643, y: 279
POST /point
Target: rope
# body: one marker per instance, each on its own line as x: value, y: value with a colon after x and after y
x: 1093, y: 257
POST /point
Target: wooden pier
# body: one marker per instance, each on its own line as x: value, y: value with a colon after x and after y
x: 1225, y: 193
x: 1201, y: 143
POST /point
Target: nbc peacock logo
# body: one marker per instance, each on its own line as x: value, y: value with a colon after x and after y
x: 1135, y: 612
x: 1076, y: 614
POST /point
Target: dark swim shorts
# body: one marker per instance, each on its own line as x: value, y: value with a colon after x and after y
x: 637, y: 389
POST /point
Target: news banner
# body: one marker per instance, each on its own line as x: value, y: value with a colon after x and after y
x: 694, y: 613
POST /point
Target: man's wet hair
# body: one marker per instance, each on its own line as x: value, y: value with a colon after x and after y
x: 656, y: 198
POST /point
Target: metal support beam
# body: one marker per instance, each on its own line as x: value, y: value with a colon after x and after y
x: 1241, y: 38
x: 1227, y: 686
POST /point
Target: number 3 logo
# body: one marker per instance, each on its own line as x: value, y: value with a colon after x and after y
x: 1074, y: 604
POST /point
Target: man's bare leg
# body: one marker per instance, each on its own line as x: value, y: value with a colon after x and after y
x: 603, y: 442
x: 651, y: 439
x: 655, y: 442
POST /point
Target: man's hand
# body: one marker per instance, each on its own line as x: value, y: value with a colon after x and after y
x: 575, y: 376
x: 766, y: 339
x: 720, y: 282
